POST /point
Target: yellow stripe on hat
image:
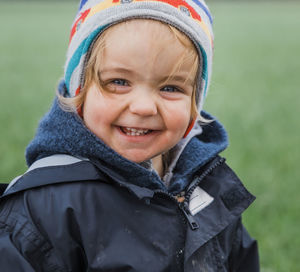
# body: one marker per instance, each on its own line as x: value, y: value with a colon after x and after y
x: 101, y: 6
x: 206, y: 30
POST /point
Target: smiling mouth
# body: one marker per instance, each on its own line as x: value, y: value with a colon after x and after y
x: 135, y: 131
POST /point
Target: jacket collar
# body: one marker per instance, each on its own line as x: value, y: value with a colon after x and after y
x: 60, y: 168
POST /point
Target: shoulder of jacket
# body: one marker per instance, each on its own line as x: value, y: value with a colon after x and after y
x: 54, y: 169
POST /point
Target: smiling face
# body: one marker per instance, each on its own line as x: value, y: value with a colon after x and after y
x: 142, y: 105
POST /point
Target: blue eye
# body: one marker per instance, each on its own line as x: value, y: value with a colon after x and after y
x: 120, y: 82
x: 170, y: 89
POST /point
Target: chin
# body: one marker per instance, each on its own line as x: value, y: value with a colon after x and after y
x: 137, y: 158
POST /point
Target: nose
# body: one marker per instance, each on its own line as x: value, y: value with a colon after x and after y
x: 144, y: 103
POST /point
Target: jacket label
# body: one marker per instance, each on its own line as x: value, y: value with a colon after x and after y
x: 199, y: 200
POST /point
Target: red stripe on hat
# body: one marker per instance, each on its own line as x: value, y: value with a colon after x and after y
x: 190, y: 127
x: 80, y: 20
x: 77, y: 91
x: 79, y: 110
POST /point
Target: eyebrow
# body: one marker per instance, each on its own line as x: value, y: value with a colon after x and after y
x: 117, y: 69
x: 177, y: 78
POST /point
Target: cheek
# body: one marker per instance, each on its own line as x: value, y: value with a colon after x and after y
x: 93, y: 114
x: 90, y: 119
x: 181, y: 113
x: 179, y: 120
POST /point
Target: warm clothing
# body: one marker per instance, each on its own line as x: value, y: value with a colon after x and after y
x: 191, y: 17
x: 84, y: 217
x: 102, y: 212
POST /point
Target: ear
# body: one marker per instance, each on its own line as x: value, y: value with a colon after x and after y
x: 191, y: 125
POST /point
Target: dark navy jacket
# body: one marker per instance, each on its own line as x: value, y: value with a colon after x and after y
x: 106, y: 213
x: 79, y: 216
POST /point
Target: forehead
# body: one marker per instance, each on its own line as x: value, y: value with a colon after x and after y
x: 145, y: 45
x: 155, y: 33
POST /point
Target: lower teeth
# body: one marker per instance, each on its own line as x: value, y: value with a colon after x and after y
x: 134, y: 133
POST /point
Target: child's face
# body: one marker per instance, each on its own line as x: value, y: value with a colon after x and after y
x: 141, y: 113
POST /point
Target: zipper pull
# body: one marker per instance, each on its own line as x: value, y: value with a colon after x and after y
x: 192, y: 222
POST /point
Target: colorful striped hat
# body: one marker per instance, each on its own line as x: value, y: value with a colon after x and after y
x: 191, y: 17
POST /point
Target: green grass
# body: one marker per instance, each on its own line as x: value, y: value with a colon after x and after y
x: 254, y: 92
x: 34, y: 38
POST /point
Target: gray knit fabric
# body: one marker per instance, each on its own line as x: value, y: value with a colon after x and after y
x: 191, y: 17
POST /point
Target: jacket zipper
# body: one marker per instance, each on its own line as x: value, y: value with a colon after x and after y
x: 218, y: 161
x: 184, y: 206
x: 184, y: 217
x: 172, y: 198
x: 190, y: 219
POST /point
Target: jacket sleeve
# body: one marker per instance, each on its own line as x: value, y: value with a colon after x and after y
x: 244, y: 256
x: 22, y: 247
x: 10, y: 257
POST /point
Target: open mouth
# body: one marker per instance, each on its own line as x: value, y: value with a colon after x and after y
x: 135, y: 131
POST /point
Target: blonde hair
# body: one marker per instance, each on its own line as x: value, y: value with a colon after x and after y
x: 92, y: 76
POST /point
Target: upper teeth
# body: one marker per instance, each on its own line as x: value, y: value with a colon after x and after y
x: 135, y: 132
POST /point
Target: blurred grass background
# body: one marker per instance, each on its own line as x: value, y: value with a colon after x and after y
x: 254, y: 92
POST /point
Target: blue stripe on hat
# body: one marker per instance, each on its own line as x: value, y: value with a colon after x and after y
x: 198, y: 3
x: 204, y: 71
x: 80, y: 51
x: 82, y: 4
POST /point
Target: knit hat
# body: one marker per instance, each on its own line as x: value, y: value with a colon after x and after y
x: 191, y: 17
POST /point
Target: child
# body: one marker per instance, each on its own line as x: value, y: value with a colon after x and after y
x: 124, y: 170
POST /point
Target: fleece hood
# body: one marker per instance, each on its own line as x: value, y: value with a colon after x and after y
x: 61, y: 132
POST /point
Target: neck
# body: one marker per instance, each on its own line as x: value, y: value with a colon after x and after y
x: 158, y: 165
